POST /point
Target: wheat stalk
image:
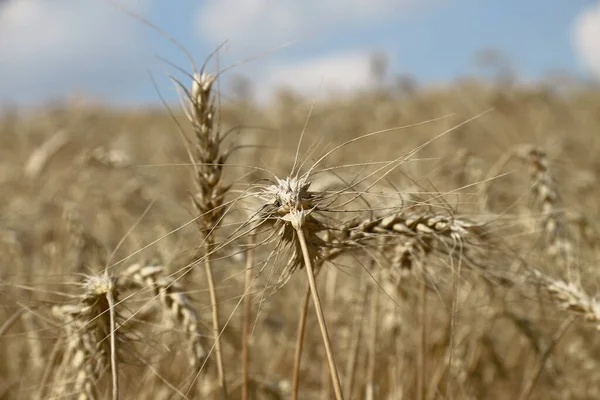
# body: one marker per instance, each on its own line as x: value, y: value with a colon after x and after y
x: 300, y: 330
x: 292, y: 207
x: 247, y: 315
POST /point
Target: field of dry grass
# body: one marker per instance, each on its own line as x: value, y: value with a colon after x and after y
x: 455, y: 250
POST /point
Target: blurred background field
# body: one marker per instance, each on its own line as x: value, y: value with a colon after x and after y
x: 87, y: 172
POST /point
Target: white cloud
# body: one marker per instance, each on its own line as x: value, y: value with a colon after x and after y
x: 319, y: 77
x: 587, y: 38
x: 273, y: 22
x: 49, y: 48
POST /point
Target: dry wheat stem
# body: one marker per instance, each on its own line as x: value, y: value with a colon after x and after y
x: 422, y: 368
x: 215, y: 321
x: 247, y: 316
x: 371, y: 388
x: 300, y: 342
x: 330, y: 294
x: 337, y: 387
x: 240, y: 301
x: 113, y: 347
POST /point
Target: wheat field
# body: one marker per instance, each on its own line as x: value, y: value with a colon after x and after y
x: 432, y: 244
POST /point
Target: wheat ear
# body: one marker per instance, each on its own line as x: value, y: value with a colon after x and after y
x: 208, y: 166
x: 548, y: 197
x: 87, y: 326
x: 569, y: 296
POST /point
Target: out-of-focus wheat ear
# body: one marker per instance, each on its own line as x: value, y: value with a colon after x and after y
x: 75, y: 349
x: 468, y: 169
x: 546, y: 192
x: 87, y: 326
x: 109, y: 158
x: 472, y: 167
x: 175, y: 303
x: 569, y: 296
x: 75, y: 237
x: 39, y: 158
x: 474, y: 175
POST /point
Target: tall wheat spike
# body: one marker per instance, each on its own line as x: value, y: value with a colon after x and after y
x: 208, y: 160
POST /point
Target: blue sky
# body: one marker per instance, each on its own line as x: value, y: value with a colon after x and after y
x: 50, y: 48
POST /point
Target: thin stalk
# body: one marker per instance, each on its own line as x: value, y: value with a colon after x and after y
x: 247, y: 317
x: 113, y: 347
x: 421, y: 387
x: 453, y: 316
x: 335, y: 379
x: 299, y: 343
x: 371, y: 389
x: 215, y: 316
